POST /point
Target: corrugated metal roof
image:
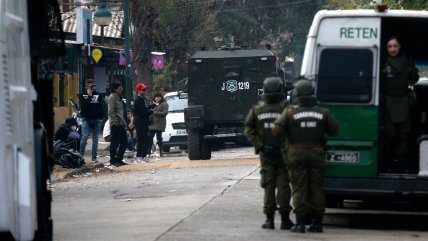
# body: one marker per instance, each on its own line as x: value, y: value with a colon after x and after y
x: 114, y: 30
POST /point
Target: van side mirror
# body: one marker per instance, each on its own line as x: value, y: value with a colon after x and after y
x: 183, y: 95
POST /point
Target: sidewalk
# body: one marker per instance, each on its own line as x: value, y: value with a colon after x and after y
x: 103, y: 156
x: 176, y: 157
x: 103, y: 153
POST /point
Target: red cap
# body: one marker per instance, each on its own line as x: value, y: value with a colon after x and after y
x: 141, y: 86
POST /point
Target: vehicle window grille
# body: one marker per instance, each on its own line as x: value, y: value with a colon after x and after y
x: 6, y: 96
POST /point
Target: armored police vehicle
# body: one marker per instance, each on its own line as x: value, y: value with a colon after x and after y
x: 344, y: 53
x: 26, y: 116
x: 222, y: 86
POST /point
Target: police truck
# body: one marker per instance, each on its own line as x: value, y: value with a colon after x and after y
x: 222, y: 86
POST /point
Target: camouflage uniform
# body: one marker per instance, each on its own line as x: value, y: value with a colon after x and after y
x: 305, y: 124
x: 274, y: 175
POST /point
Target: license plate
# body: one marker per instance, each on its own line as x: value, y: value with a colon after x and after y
x: 343, y: 156
x: 181, y: 132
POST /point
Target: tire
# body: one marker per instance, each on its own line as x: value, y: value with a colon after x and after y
x: 206, y: 150
x: 44, y: 195
x: 242, y: 141
x: 194, y: 139
x: 166, y: 149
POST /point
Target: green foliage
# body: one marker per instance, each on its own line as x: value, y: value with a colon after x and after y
x: 180, y: 27
x: 408, y: 4
x: 283, y: 24
x: 369, y: 4
x: 167, y: 13
x: 177, y: 27
x: 162, y: 79
x: 340, y: 4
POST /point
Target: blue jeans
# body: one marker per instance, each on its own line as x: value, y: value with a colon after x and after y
x: 88, y: 126
x: 152, y: 134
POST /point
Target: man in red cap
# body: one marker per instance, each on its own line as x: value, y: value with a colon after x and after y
x: 142, y: 113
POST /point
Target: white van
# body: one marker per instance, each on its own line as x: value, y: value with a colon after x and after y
x: 343, y: 56
x: 175, y: 133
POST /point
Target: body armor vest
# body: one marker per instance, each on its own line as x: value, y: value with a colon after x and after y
x: 266, y: 114
x: 306, y: 125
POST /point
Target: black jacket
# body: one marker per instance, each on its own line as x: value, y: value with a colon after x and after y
x: 62, y: 132
x: 141, y: 111
x: 92, y: 107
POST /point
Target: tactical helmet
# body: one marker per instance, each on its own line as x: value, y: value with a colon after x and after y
x: 303, y: 88
x: 272, y: 84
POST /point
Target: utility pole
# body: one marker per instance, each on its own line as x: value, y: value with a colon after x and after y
x: 128, y: 81
x: 88, y: 45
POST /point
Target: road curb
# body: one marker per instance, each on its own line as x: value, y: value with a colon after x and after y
x: 83, y: 170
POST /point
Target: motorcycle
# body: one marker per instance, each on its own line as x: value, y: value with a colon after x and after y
x: 76, y: 115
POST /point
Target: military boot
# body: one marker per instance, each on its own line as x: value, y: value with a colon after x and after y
x: 269, y: 223
x: 316, y: 226
x: 309, y: 217
x: 300, y: 224
x: 286, y: 223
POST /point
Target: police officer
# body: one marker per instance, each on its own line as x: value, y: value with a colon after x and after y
x: 304, y: 124
x: 274, y: 175
x: 398, y: 71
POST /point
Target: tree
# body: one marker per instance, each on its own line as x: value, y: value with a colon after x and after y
x: 370, y: 4
x: 143, y: 19
x: 347, y: 4
x: 408, y: 4
x: 180, y: 27
x: 186, y: 26
x: 176, y: 27
x: 162, y: 79
x: 283, y: 24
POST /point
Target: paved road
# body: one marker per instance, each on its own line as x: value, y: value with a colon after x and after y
x: 186, y: 200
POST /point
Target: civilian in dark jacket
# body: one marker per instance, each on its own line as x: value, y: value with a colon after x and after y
x: 92, y: 111
x: 66, y: 135
x: 142, y: 113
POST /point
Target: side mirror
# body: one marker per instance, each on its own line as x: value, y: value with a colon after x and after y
x: 182, y: 95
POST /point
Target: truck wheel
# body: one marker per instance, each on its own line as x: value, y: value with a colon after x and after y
x: 44, y: 195
x: 206, y: 150
x: 195, y: 143
x: 166, y: 149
